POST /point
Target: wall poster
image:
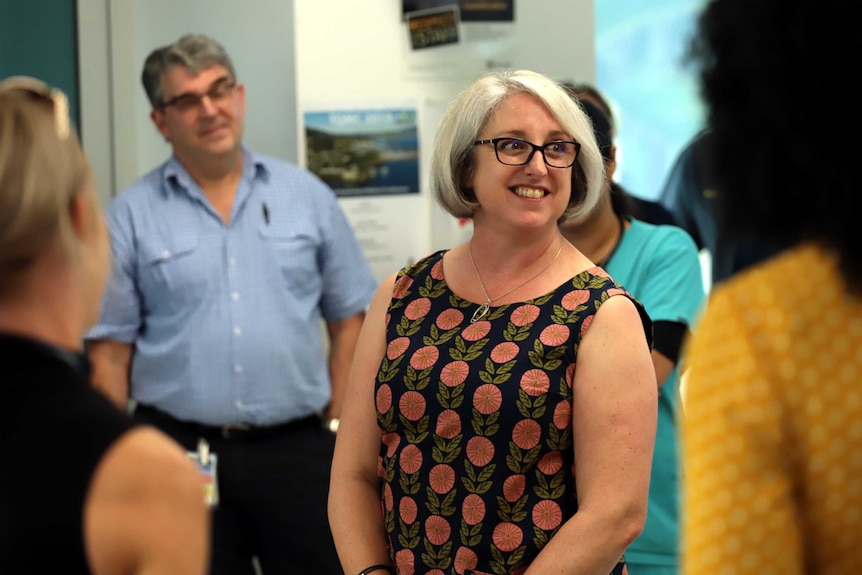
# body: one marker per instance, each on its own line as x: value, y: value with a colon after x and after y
x: 364, y: 152
x: 431, y: 28
x: 471, y: 10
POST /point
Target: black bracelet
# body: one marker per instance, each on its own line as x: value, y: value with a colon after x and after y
x: 368, y: 570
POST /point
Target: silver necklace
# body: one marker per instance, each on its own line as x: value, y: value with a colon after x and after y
x: 483, y: 309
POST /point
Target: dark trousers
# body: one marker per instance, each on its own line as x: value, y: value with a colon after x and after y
x: 273, y: 490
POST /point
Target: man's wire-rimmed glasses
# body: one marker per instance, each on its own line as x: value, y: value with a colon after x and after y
x: 219, y: 92
x: 517, y: 152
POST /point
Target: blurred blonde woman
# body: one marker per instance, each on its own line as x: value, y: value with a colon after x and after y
x: 83, y: 489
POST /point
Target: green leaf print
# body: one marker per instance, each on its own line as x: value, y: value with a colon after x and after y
x: 449, y: 452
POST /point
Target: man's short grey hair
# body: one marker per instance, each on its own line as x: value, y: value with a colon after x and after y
x: 194, y: 51
x: 467, y: 114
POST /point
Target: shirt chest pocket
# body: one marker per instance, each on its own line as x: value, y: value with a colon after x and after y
x: 171, y: 270
x: 292, y: 256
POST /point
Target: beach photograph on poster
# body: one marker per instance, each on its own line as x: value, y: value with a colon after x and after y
x: 364, y: 152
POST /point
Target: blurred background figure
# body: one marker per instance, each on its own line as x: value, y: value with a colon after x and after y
x: 659, y: 265
x: 690, y: 195
x: 227, y: 267
x: 773, y: 428
x: 640, y: 208
x: 83, y: 488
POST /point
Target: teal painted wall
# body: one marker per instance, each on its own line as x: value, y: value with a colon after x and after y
x: 39, y: 38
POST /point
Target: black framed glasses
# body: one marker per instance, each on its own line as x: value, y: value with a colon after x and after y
x: 53, y: 97
x: 517, y: 152
x: 217, y: 93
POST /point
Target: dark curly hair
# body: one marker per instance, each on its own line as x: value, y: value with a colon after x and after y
x: 771, y: 75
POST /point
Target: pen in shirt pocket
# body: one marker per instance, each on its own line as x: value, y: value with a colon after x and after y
x: 265, y: 213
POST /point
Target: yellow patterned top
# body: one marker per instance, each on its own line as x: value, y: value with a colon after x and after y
x: 772, y: 437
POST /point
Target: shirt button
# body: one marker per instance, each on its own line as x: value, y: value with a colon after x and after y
x: 166, y: 254
x: 235, y: 296
x: 239, y: 404
x: 237, y: 368
x: 237, y: 331
x: 232, y: 261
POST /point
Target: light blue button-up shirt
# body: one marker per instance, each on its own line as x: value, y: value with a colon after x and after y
x: 226, y: 318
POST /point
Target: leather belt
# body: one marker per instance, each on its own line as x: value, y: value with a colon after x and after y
x: 238, y: 431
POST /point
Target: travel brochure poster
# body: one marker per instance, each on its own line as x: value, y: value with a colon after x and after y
x: 364, y: 152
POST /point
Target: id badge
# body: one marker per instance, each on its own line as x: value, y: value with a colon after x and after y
x: 206, y: 463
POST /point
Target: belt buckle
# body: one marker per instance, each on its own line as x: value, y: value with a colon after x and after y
x: 228, y: 428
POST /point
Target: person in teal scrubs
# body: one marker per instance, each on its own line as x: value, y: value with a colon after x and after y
x: 659, y: 265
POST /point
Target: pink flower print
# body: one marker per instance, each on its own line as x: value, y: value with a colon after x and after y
x: 396, y: 347
x: 625, y: 570
x: 526, y: 434
x: 387, y: 497
x: 554, y: 335
x: 586, y: 324
x: 424, y: 357
x: 487, y: 399
x: 401, y: 287
x: 480, y: 451
x: 436, y: 572
x: 437, y: 529
x: 504, y: 352
x: 507, y: 536
x: 383, y: 398
x: 524, y: 315
x: 513, y: 487
x: 599, y: 272
x: 465, y: 559
x: 551, y: 463
x: 449, y: 318
x: 476, y: 331
x: 575, y: 298
x: 535, y: 382
x: 408, y: 510
x: 454, y: 373
x: 563, y: 415
x: 570, y: 375
x: 417, y: 308
x: 448, y: 424
x: 412, y: 405
x: 547, y: 515
x: 616, y: 291
x: 411, y: 459
x: 441, y: 478
x: 473, y: 509
x: 391, y: 441
x: 437, y: 270
x: 404, y: 562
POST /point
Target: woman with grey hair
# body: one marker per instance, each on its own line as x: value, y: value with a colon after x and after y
x: 83, y: 489
x: 469, y: 442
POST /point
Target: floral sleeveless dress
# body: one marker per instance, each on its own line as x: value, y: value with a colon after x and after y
x: 476, y: 458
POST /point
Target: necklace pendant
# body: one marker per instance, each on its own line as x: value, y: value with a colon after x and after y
x: 480, y: 312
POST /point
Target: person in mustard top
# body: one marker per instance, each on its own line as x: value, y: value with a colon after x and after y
x: 773, y: 424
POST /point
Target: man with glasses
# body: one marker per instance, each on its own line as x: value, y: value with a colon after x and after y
x: 225, y: 264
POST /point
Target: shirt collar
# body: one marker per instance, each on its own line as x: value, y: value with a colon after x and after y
x: 175, y: 175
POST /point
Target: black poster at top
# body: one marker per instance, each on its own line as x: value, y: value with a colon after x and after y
x: 471, y: 10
